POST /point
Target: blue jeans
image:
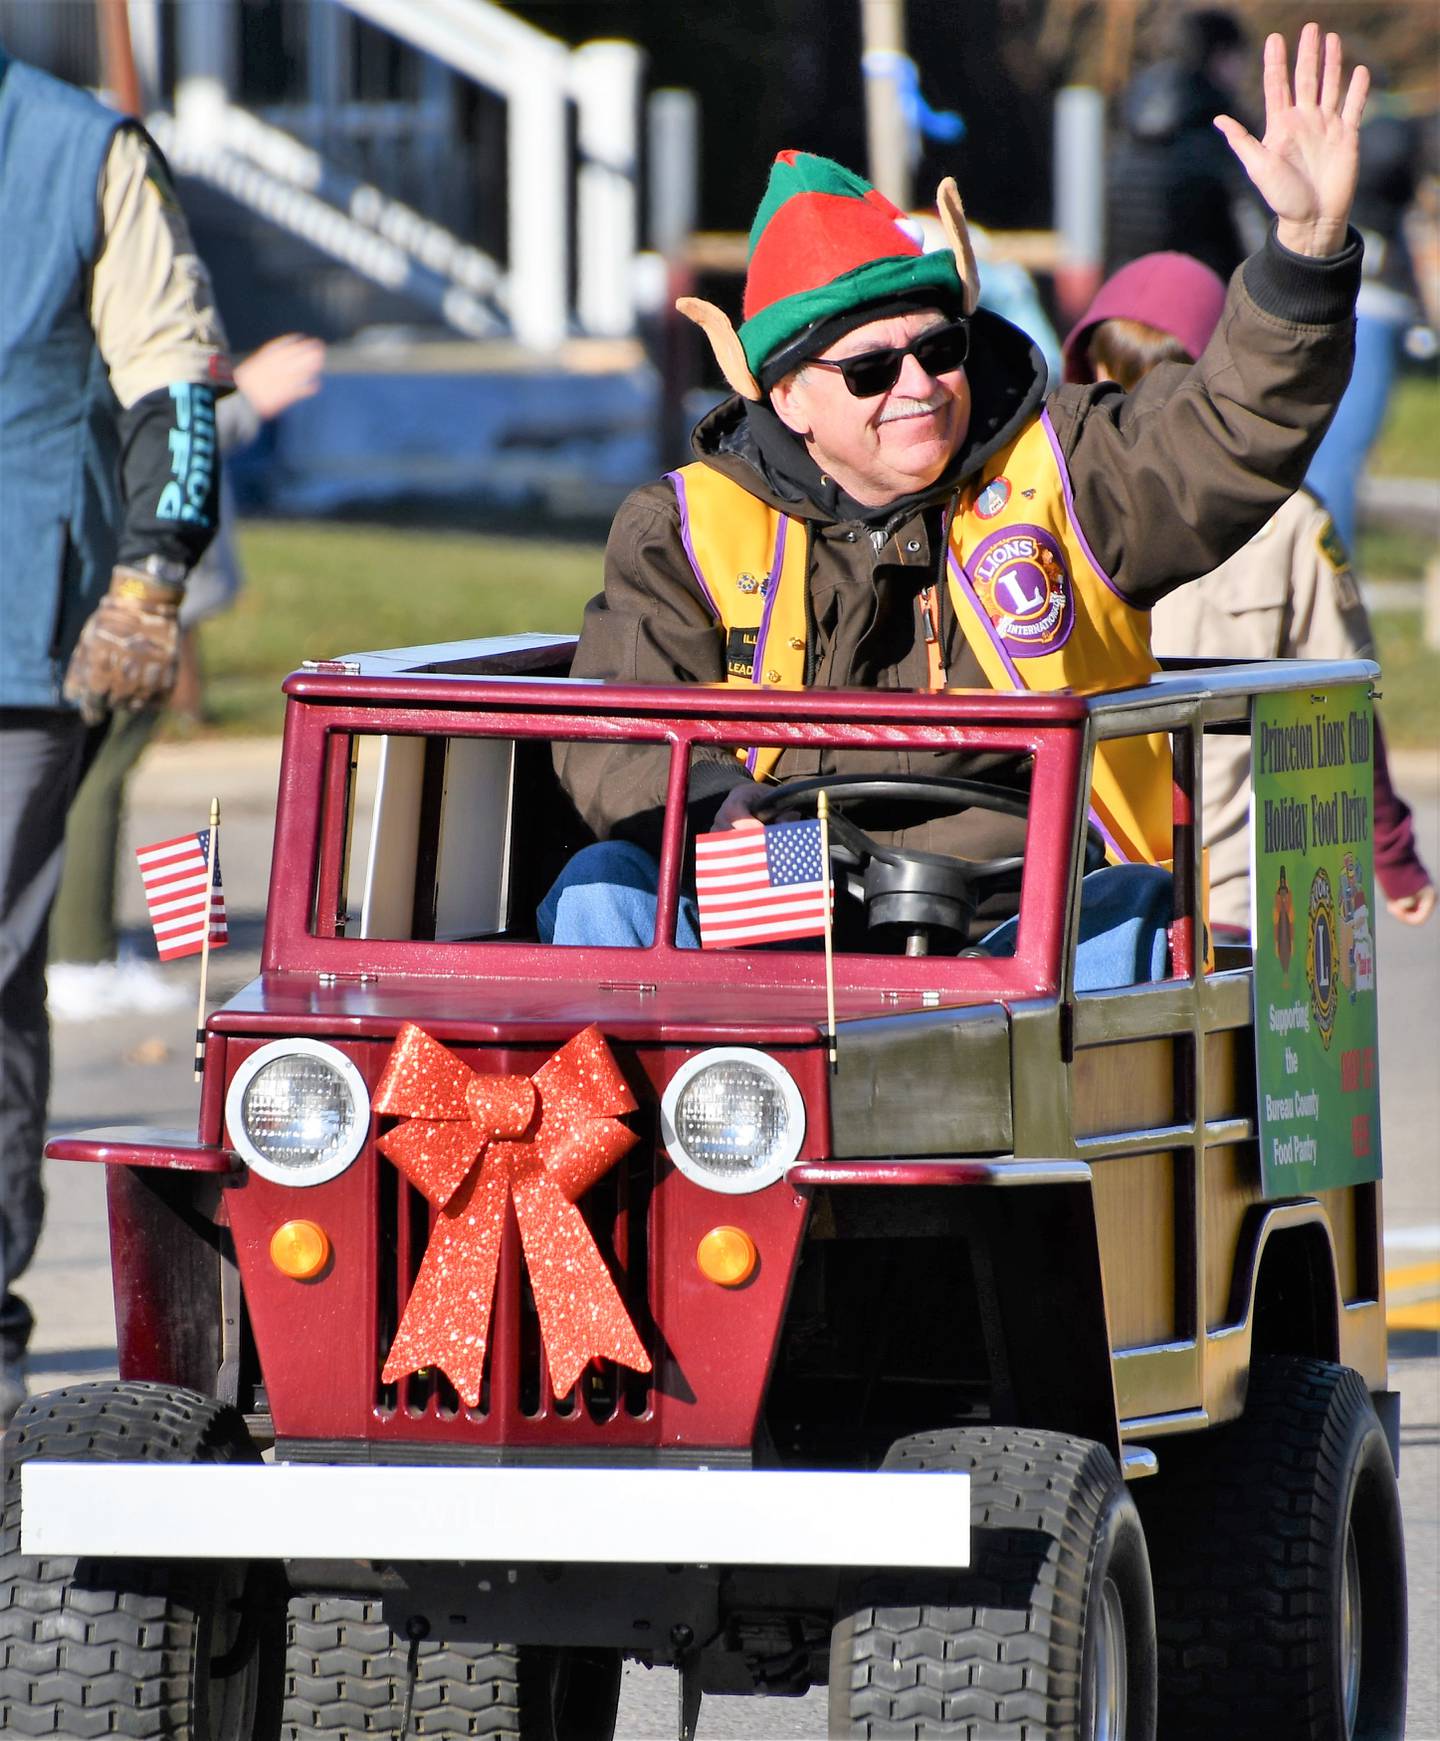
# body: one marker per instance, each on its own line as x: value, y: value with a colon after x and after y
x: 1124, y: 928
x: 605, y: 897
x: 1339, y: 461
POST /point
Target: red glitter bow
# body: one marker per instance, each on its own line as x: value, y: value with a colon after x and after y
x: 540, y: 1141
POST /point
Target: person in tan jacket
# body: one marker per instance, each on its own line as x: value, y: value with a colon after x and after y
x: 1288, y: 593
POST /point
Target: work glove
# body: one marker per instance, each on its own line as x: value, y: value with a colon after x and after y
x: 128, y: 650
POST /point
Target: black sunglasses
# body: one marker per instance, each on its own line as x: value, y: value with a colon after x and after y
x: 937, y: 351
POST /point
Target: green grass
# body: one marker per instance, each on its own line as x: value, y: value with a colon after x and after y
x: 314, y: 590
x: 1409, y: 444
x: 1410, y: 681
x: 1393, y: 553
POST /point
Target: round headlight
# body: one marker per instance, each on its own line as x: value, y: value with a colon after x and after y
x: 298, y: 1111
x: 732, y: 1119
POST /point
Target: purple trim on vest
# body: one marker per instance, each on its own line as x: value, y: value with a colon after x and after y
x: 1075, y: 525
x: 679, y: 482
x: 772, y: 589
x: 1120, y: 853
x: 962, y: 579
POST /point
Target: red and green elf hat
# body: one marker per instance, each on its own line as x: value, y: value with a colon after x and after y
x: 825, y: 243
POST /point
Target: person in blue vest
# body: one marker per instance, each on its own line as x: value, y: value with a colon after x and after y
x: 893, y: 498
x: 111, y: 354
x: 88, y: 975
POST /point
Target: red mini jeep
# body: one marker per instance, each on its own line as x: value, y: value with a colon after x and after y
x: 520, y: 1310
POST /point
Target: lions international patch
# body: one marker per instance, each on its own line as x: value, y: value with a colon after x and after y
x: 1320, y: 955
x: 992, y: 498
x: 1024, y: 587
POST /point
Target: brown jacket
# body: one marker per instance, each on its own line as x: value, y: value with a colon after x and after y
x: 1168, y: 481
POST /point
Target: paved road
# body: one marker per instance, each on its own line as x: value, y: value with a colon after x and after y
x: 137, y: 1069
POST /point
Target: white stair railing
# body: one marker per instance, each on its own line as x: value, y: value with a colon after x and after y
x: 286, y: 157
x: 333, y: 232
x: 538, y: 76
x: 531, y: 70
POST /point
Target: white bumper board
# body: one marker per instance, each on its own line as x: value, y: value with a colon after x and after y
x: 629, y: 1516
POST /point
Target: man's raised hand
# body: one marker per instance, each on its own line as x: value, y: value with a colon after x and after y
x: 1305, y: 166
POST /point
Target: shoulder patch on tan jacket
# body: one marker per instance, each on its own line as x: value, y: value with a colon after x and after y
x: 1332, y: 547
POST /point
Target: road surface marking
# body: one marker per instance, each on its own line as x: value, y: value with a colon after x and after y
x: 1413, y: 1238
x: 1412, y: 1297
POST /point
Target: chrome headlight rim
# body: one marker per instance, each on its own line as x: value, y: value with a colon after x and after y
x: 753, y: 1179
x: 302, y: 1173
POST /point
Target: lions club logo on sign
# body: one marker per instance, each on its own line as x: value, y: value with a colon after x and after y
x: 1025, y: 590
x: 992, y: 498
x: 1320, y: 965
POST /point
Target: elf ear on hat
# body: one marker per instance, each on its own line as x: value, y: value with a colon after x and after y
x: 824, y: 245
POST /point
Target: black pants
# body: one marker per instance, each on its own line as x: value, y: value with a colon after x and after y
x: 40, y: 754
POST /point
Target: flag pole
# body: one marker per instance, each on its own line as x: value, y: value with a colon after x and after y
x: 211, y: 854
x: 822, y: 810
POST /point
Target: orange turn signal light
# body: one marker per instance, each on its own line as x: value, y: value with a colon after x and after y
x: 300, y: 1249
x: 727, y: 1256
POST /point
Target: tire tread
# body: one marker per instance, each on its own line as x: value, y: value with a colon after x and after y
x: 346, y: 1675
x: 111, y: 1655
x: 993, y: 1654
x: 1242, y: 1529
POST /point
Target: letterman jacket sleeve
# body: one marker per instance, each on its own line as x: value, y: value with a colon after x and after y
x: 650, y: 625
x: 157, y: 329
x: 1171, y: 479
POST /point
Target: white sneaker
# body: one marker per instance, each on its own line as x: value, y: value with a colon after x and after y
x: 81, y: 991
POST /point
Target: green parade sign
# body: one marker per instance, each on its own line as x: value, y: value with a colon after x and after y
x: 1311, y: 899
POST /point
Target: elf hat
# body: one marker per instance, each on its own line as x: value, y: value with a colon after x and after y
x: 827, y: 251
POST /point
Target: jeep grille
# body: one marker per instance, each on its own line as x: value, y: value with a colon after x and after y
x: 609, y: 1405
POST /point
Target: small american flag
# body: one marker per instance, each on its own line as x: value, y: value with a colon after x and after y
x: 757, y: 885
x: 173, y: 872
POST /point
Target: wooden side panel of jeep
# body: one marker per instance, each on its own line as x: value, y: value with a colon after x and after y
x: 1200, y: 1270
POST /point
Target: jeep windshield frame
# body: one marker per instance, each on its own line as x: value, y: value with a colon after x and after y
x: 477, y: 689
x: 329, y: 709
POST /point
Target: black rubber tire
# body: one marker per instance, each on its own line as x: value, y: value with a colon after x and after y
x: 1247, y: 1527
x: 347, y: 1675
x: 1005, y: 1650
x: 110, y: 1647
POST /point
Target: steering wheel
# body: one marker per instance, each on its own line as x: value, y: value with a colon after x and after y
x: 920, y: 891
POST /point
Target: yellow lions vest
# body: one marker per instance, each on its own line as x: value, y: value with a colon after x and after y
x: 1038, y: 611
